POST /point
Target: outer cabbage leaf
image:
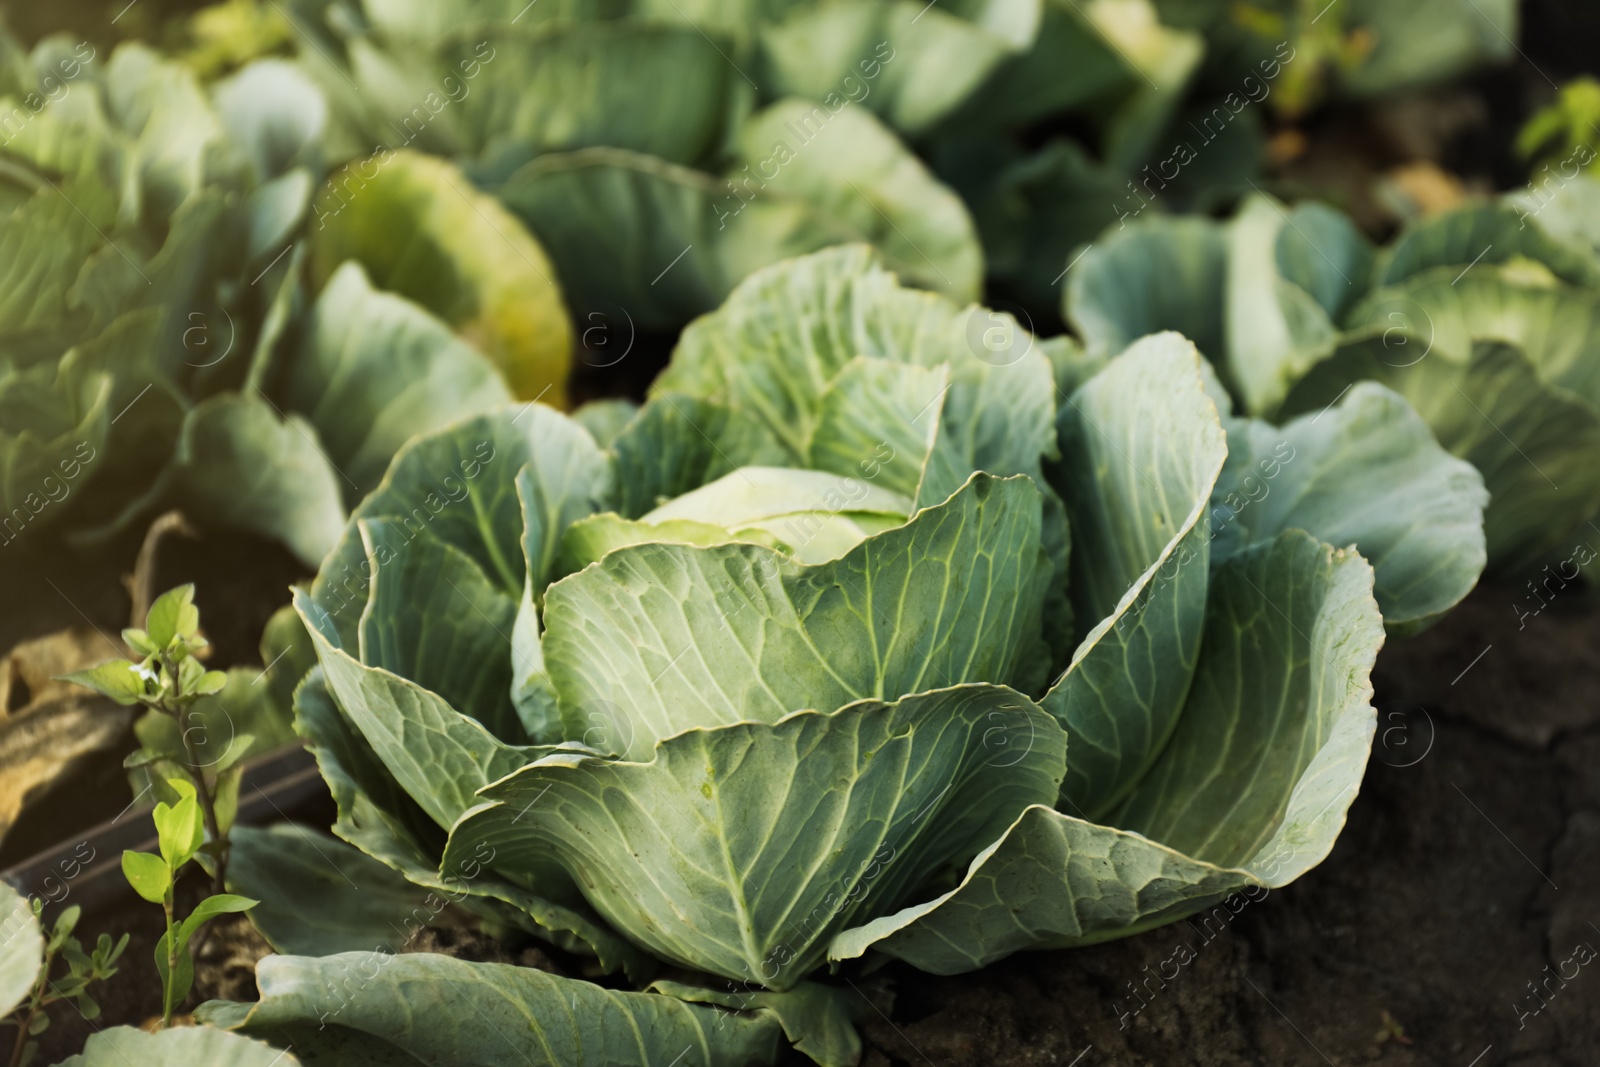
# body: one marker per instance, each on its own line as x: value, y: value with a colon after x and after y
x: 1136, y: 501
x: 883, y: 417
x: 241, y: 463
x: 1321, y: 251
x: 459, y: 484
x: 274, y: 114
x: 1070, y: 65
x: 816, y: 1018
x: 1369, y: 473
x: 858, y: 809
x: 1275, y: 330
x: 421, y: 230
x: 128, y: 1046
x: 908, y: 64
x: 177, y: 137
x: 678, y: 443
x: 373, y: 370
x: 661, y: 242
x: 436, y: 484
x: 857, y: 172
x: 1446, y: 313
x: 1156, y: 273
x: 567, y: 479
x: 1556, y: 326
x: 1568, y: 211
x: 55, y: 422
x: 1483, y: 235
x: 1258, y: 295
x: 1533, y: 442
x: 1250, y: 793
x: 318, y: 895
x: 426, y: 633
x: 422, y: 1008
x: 438, y: 755
x: 427, y: 20
x: 684, y: 239
x: 1112, y: 62
x: 560, y: 86
x: 276, y: 210
x: 374, y: 813
x: 605, y: 418
x: 434, y: 618
x: 1163, y: 61
x: 377, y: 816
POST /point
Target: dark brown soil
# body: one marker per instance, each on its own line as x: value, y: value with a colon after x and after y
x: 1471, y: 862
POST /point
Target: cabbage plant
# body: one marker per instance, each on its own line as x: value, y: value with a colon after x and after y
x: 1485, y: 318
x: 161, y: 343
x: 783, y: 131
x: 793, y: 126
x: 135, y: 211
x: 858, y: 639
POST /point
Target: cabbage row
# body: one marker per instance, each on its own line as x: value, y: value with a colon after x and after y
x: 1485, y: 318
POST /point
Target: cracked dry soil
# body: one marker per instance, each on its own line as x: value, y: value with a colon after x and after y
x: 1470, y: 863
